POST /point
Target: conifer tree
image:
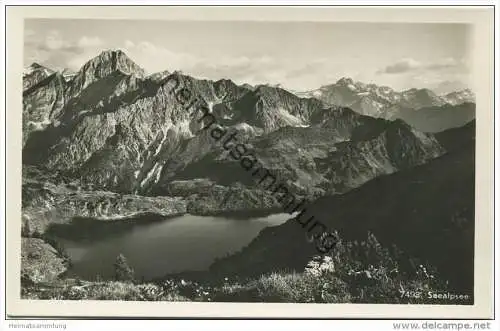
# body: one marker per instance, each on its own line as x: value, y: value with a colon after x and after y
x: 123, y: 272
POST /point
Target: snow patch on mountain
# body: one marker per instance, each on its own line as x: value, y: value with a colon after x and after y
x: 317, y: 93
x: 289, y: 118
x: 153, y: 172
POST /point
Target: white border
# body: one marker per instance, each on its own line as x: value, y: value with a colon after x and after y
x: 134, y: 309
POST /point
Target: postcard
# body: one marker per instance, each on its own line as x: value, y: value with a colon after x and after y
x: 278, y: 162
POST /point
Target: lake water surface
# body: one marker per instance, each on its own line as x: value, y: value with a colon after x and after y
x: 185, y: 243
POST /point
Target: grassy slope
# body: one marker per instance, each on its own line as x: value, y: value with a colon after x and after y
x: 428, y: 211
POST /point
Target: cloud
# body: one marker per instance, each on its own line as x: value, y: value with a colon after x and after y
x: 445, y: 63
x: 251, y: 68
x: 85, y: 42
x: 411, y: 65
x: 240, y: 68
x: 408, y: 73
x: 156, y: 58
x: 54, y: 40
x: 76, y: 61
x: 254, y: 69
x: 56, y: 52
x: 441, y: 81
x: 313, y: 67
x: 298, y: 73
x: 403, y: 65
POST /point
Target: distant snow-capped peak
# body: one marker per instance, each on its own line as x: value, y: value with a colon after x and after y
x: 37, y: 67
x: 459, y: 97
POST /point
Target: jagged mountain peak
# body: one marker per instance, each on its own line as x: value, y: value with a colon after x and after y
x: 112, y: 52
x: 36, y: 65
x: 34, y: 74
x: 127, y: 131
x: 417, y: 98
x: 225, y: 81
x: 264, y: 89
x: 228, y: 84
x: 113, y: 60
x: 273, y: 95
x: 345, y: 81
x: 248, y: 86
x: 465, y: 91
x: 182, y: 77
x: 420, y: 92
x: 178, y: 73
x: 159, y: 76
x: 105, y: 64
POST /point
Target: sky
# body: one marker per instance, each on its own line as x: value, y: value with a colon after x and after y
x: 297, y: 55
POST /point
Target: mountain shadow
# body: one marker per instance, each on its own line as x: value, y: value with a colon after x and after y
x: 427, y: 211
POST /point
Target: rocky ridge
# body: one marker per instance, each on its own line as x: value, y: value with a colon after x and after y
x: 110, y: 145
x: 434, y: 201
x: 384, y: 102
x: 114, y: 129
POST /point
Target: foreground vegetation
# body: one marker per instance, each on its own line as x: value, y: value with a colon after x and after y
x: 357, y: 272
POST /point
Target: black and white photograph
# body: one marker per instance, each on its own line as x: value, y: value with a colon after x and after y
x: 242, y: 161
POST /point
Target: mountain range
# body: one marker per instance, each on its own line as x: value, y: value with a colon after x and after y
x: 428, y: 211
x: 384, y: 102
x: 367, y: 156
x: 115, y: 128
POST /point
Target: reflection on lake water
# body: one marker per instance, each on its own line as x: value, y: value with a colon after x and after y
x: 185, y: 243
